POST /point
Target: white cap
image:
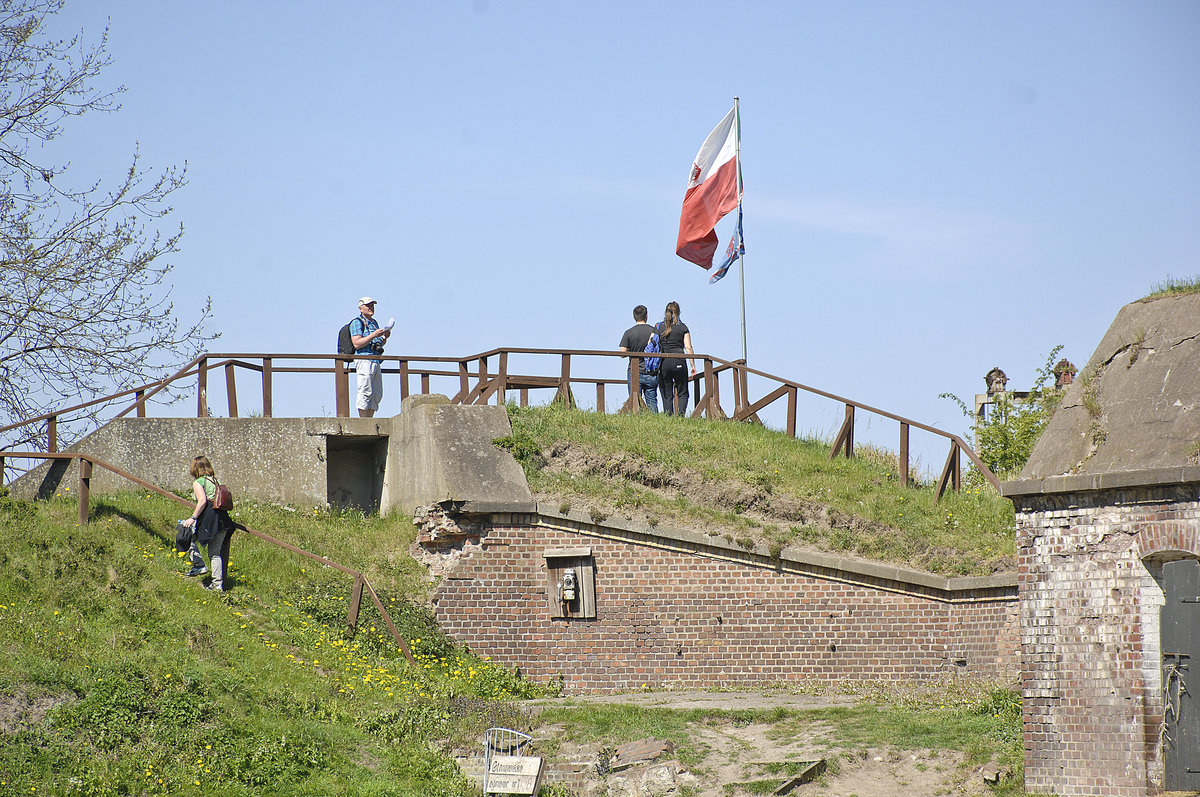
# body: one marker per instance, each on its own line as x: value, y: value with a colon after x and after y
x: 365, y: 300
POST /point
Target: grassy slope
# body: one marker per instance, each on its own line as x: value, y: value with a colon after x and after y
x: 873, y: 516
x: 118, y: 676
x: 154, y: 686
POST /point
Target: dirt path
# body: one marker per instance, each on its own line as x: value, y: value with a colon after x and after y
x: 730, y: 752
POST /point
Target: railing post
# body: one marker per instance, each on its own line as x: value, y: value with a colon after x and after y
x: 712, y: 386
x: 737, y: 390
x: 403, y: 380
x: 709, y: 389
x: 231, y: 389
x: 483, y: 376
x: 52, y: 434
x: 950, y: 474
x: 266, y: 384
x: 355, y: 603
x: 956, y: 474
x: 141, y: 405
x: 845, y: 435
x: 791, y: 412
x: 85, y: 489
x: 1, y: 470
x: 600, y: 397
x: 341, y: 391
x: 633, y: 382
x: 904, y: 455
x: 202, y: 388
x: 502, y: 389
x: 424, y: 384
x: 464, y: 381
x: 741, y: 390
x: 564, y: 382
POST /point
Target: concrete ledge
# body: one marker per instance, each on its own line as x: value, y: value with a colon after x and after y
x: 487, y: 507
x: 358, y: 427
x: 790, y: 560
x: 1114, y: 480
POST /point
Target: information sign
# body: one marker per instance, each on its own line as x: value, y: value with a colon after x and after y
x: 514, y: 774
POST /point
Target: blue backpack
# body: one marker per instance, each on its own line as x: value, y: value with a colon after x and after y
x: 652, y: 363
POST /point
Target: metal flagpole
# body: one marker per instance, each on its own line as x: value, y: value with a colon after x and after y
x: 737, y: 126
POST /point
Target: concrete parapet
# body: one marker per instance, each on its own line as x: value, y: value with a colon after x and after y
x: 434, y: 453
x: 251, y: 455
x: 442, y: 453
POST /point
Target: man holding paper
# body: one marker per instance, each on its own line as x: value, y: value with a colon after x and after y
x: 368, y: 338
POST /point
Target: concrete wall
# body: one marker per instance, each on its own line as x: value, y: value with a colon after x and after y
x: 249, y: 454
x: 1090, y: 601
x: 433, y: 452
x: 675, y: 609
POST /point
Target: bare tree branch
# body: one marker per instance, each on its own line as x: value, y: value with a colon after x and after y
x: 85, y: 302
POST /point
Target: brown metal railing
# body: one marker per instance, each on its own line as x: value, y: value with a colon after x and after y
x: 86, y: 464
x: 487, y: 377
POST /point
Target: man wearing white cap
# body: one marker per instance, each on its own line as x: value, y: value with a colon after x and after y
x: 368, y: 338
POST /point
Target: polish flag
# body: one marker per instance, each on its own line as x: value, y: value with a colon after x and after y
x: 711, y: 193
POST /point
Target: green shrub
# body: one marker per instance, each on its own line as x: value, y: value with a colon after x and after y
x: 1006, y: 437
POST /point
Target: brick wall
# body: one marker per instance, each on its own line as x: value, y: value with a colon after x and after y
x: 1089, y: 605
x: 682, y: 610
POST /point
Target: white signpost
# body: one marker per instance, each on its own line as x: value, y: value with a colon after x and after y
x: 513, y: 774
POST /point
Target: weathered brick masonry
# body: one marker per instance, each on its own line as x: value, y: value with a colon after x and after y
x: 685, y: 610
x: 1090, y: 599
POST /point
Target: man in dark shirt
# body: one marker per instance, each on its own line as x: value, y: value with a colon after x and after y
x: 635, y: 339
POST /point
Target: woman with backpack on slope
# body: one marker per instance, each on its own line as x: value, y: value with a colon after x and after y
x: 674, y: 338
x: 211, y: 527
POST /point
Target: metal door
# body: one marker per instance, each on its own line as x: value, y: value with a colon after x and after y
x: 1179, y: 624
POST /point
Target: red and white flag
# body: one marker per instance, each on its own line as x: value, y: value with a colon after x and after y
x: 712, y: 192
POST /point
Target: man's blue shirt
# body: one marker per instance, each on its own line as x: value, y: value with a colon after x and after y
x: 361, y: 327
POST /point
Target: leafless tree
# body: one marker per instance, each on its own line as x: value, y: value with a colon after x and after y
x: 85, y: 308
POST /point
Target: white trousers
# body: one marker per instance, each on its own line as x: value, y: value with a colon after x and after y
x: 370, y: 384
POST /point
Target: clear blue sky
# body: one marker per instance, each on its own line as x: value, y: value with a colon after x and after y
x: 932, y: 188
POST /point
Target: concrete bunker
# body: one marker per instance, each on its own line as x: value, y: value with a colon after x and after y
x: 1108, y: 540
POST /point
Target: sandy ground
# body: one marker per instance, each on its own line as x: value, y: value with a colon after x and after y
x: 731, y: 750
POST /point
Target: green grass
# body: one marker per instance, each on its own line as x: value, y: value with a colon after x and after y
x: 1172, y: 286
x: 121, y: 677
x: 734, y: 469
